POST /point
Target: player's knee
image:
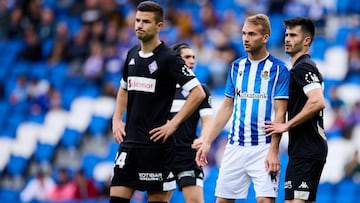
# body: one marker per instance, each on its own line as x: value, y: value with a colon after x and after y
x: 118, y: 200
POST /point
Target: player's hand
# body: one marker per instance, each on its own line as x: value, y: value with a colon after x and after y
x: 163, y: 132
x: 272, y: 128
x: 118, y: 128
x: 272, y: 162
x: 202, y: 153
x: 197, y: 143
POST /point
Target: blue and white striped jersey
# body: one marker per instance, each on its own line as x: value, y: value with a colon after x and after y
x: 254, y: 85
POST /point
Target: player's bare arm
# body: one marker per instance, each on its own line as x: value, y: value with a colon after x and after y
x: 272, y: 163
x: 222, y: 117
x: 118, y: 126
x: 206, y: 122
x: 314, y: 104
x: 194, y: 99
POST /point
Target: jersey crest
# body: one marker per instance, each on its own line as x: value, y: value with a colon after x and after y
x: 153, y: 67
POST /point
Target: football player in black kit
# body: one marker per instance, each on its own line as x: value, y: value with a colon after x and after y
x: 189, y: 176
x: 307, y: 142
x: 152, y: 70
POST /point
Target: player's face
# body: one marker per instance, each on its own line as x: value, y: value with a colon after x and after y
x: 146, y: 27
x: 253, y: 38
x: 294, y: 40
x: 189, y: 57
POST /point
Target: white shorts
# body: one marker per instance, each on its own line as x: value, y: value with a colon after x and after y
x: 242, y: 165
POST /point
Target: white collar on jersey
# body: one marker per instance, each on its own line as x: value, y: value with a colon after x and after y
x: 147, y: 55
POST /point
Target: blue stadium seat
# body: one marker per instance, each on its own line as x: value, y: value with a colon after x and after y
x: 318, y: 48
x: 112, y: 150
x: 70, y: 138
x: 345, y: 191
x: 210, y: 183
x: 17, y: 165
x: 11, y: 123
x: 325, y: 192
x: 202, y: 72
x: 89, y: 161
x: 57, y: 74
x: 98, y: 125
x: 9, y: 195
x: 89, y: 90
x: 38, y: 70
x: 44, y: 152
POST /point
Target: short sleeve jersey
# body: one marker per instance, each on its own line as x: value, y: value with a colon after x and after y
x: 186, y: 132
x: 306, y: 140
x: 150, y: 80
x: 254, y: 85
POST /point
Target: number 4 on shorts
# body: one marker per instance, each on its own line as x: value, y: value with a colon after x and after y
x: 120, y: 161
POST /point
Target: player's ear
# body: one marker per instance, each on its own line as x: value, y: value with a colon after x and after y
x: 307, y: 41
x: 265, y: 38
x: 160, y: 25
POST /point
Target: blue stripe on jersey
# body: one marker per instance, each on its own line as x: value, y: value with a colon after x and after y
x: 253, y: 85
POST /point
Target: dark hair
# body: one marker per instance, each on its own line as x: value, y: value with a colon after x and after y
x: 180, y: 46
x: 307, y: 26
x: 150, y: 6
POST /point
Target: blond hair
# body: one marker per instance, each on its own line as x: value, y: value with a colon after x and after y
x: 260, y: 19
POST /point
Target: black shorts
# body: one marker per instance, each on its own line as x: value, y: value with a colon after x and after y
x: 302, y: 178
x: 145, y: 169
x: 187, y: 172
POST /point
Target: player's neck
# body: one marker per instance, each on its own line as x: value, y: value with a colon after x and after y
x: 295, y: 56
x: 258, y: 54
x: 149, y: 46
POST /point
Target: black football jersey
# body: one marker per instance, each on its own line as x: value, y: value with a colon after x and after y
x: 150, y: 80
x: 306, y: 140
x: 186, y: 132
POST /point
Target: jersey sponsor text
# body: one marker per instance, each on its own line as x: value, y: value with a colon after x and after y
x: 141, y: 84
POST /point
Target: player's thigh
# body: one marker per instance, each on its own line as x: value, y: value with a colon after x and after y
x: 302, y: 179
x: 157, y: 196
x: 233, y: 181
x: 265, y: 184
x: 121, y: 191
x: 193, y: 194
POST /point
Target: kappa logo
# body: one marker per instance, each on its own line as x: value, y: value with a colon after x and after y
x: 132, y: 61
x: 303, y: 185
x: 170, y: 176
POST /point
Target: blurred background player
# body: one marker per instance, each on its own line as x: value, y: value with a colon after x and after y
x: 189, y: 175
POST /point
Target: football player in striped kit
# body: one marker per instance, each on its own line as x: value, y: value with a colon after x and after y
x: 256, y: 91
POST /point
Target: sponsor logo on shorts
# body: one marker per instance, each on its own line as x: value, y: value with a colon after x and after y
x: 288, y: 185
x: 141, y: 84
x: 304, y: 195
x: 303, y: 185
x: 150, y: 176
x: 170, y: 176
x: 186, y: 174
